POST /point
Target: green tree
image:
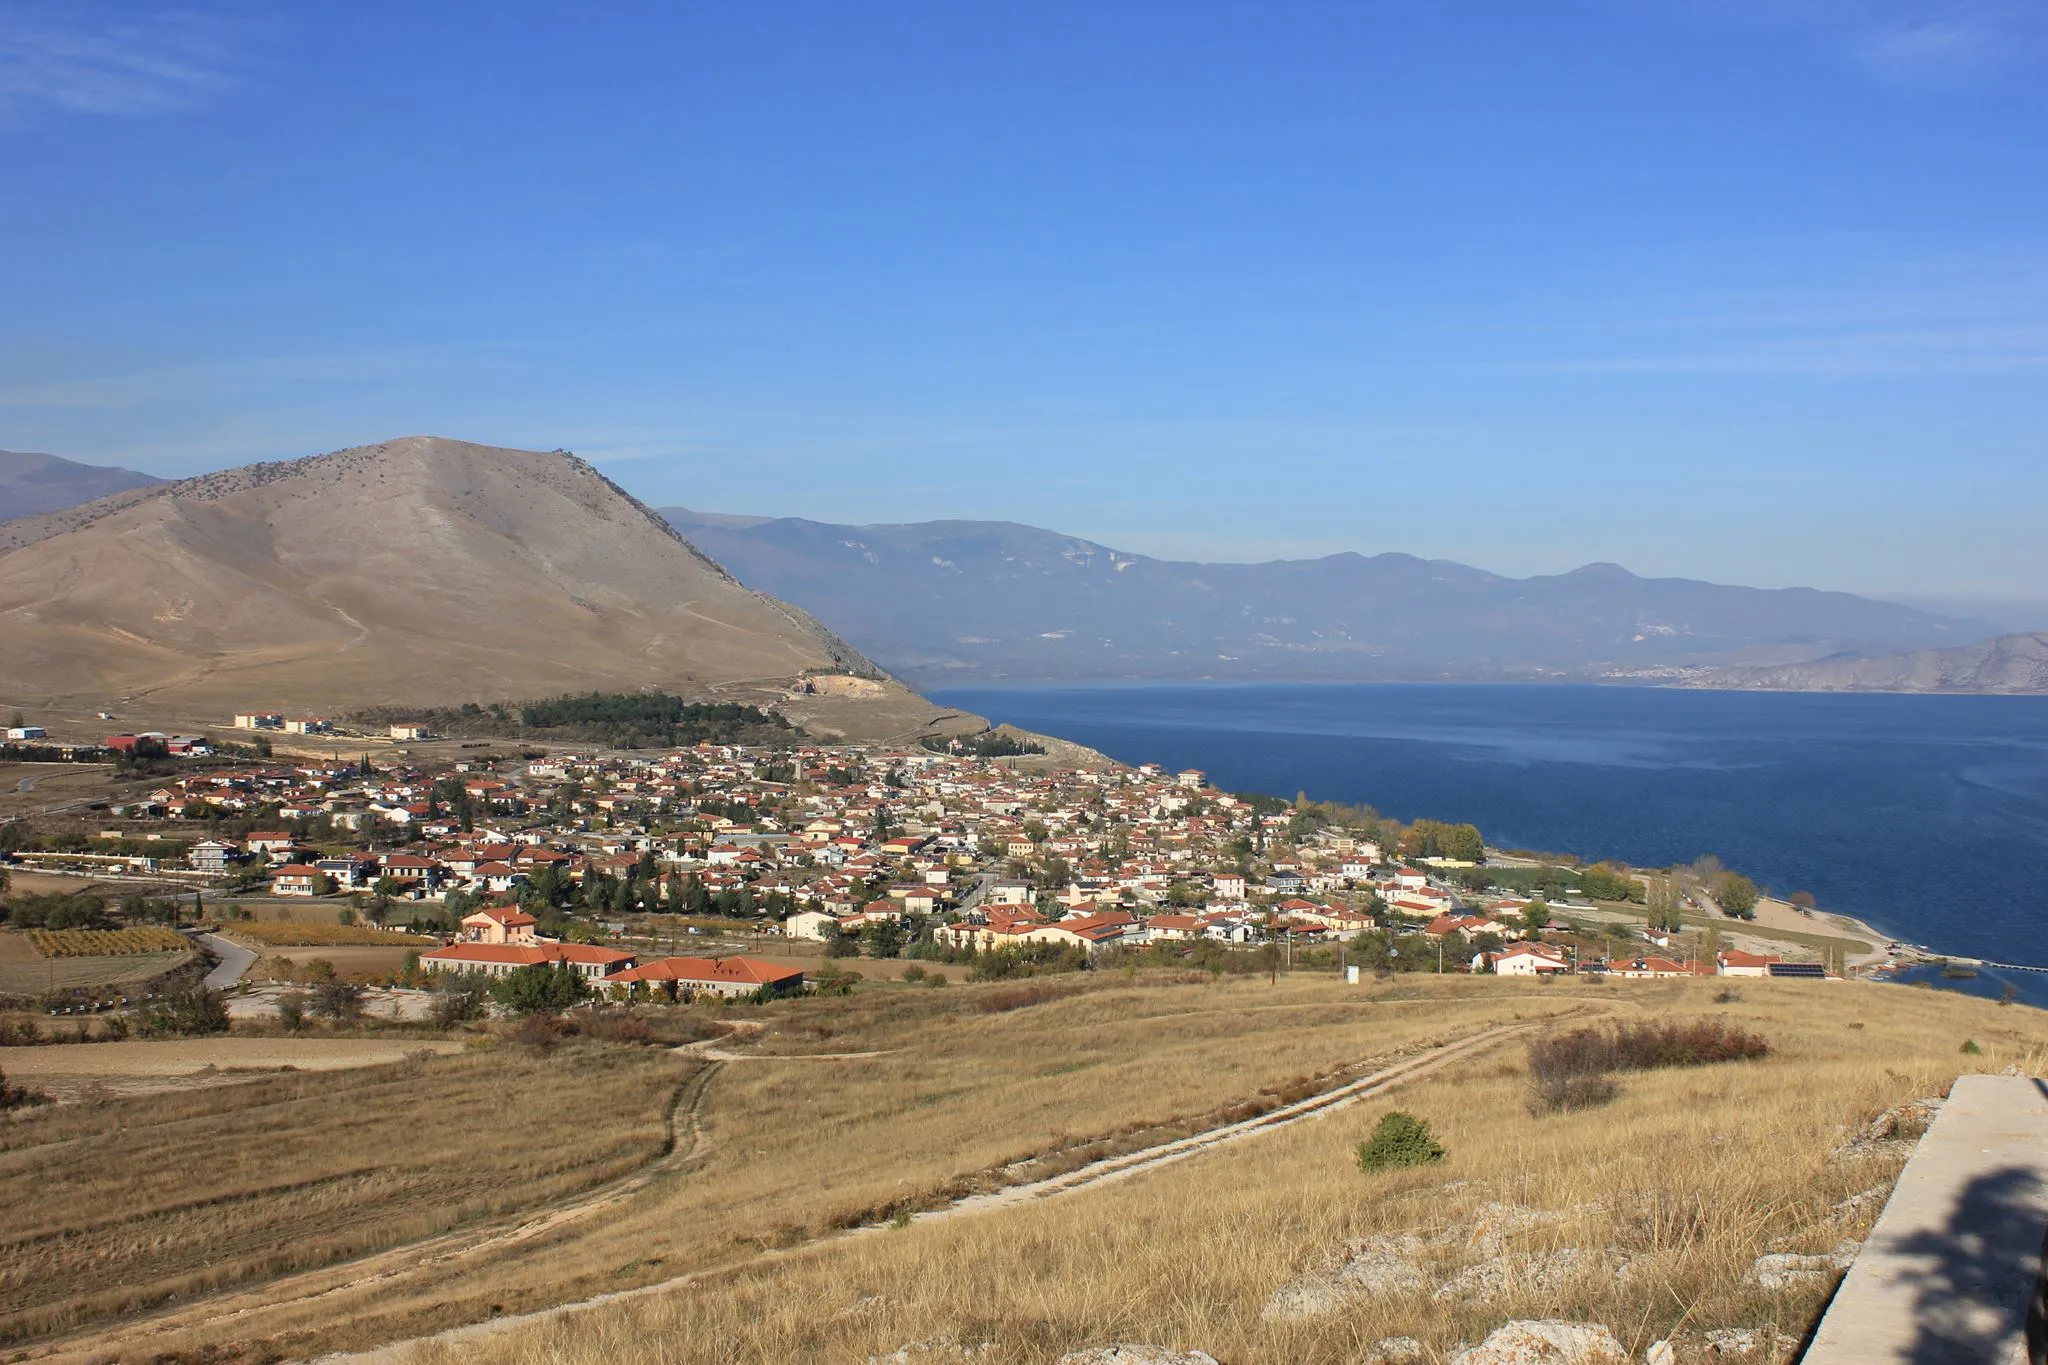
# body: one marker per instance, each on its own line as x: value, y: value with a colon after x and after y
x: 337, y: 999
x: 539, y: 989
x: 1461, y: 842
x: 1737, y: 895
x: 187, y: 1013
x: 882, y: 938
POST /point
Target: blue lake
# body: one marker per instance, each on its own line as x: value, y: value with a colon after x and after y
x: 1926, y: 816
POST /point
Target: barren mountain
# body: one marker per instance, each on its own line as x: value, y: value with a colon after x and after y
x: 2010, y: 663
x: 953, y: 601
x: 421, y: 571
x: 43, y: 483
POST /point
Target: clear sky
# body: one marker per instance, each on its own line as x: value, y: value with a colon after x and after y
x: 1752, y: 290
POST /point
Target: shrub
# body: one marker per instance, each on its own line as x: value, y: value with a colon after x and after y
x: 19, y: 1033
x: 19, y: 1096
x: 291, y: 1010
x: 1401, y: 1140
x: 1570, y: 1070
x: 1970, y: 1048
x: 913, y: 973
x: 458, y: 1005
x: 1019, y: 997
x: 337, y: 999
x: 190, y: 1012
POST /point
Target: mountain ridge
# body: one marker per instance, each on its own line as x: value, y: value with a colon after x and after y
x: 954, y: 601
x: 32, y: 482
x: 418, y: 570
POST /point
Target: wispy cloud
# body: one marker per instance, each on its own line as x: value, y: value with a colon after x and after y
x: 1944, y: 46
x: 119, y: 60
x: 1912, y: 46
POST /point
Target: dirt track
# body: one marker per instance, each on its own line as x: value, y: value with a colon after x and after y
x: 1115, y: 1168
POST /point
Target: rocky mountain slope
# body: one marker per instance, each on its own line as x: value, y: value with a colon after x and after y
x: 32, y: 483
x: 980, y: 601
x: 420, y: 570
x: 2010, y: 664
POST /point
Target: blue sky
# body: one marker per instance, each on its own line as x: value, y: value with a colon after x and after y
x: 1753, y: 290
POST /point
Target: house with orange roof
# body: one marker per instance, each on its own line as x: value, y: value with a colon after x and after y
x: 498, y: 924
x: 683, y: 978
x: 502, y: 959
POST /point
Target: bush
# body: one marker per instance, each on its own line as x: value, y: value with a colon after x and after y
x: 1401, y: 1140
x: 913, y: 973
x: 337, y: 999
x: 1970, y: 1048
x: 291, y: 1010
x: 458, y: 1005
x: 189, y: 1013
x: 1570, y: 1070
x: 19, y: 1096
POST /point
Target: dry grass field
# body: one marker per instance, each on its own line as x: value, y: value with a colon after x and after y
x: 1644, y: 1215
x: 125, y: 1205
x: 263, y: 934
x: 860, y: 1112
x: 354, y: 963
x: 24, y: 971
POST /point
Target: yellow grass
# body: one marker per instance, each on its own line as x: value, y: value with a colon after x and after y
x: 148, y: 938
x: 1686, y: 1178
x: 117, y: 1207
x: 292, y: 933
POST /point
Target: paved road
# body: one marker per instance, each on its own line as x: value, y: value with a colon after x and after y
x: 234, y: 960
x: 983, y: 881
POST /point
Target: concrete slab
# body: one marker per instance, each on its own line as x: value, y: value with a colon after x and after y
x: 1952, y: 1271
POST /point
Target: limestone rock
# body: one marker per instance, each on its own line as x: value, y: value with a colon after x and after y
x: 1495, y: 1278
x: 1393, y: 1351
x: 1547, y: 1342
x: 1126, y: 1353
x: 1373, y: 1267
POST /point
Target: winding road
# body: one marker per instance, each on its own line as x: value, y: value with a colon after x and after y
x: 234, y: 960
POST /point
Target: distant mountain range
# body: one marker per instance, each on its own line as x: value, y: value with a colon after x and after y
x: 44, y: 483
x: 417, y: 571
x: 2008, y: 664
x: 291, y: 572
x: 983, y: 601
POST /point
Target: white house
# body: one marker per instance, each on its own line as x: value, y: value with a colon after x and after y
x: 813, y: 924
x: 1526, y: 959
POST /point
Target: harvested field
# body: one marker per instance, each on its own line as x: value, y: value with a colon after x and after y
x: 349, y: 962
x: 23, y: 971
x: 262, y: 934
x: 188, y: 1056
x: 119, y: 1206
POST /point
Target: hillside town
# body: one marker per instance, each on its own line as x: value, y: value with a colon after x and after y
x: 566, y: 858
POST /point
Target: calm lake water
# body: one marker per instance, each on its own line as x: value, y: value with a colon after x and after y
x: 1926, y: 816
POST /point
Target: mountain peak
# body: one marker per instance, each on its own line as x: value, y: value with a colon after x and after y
x: 420, y: 569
